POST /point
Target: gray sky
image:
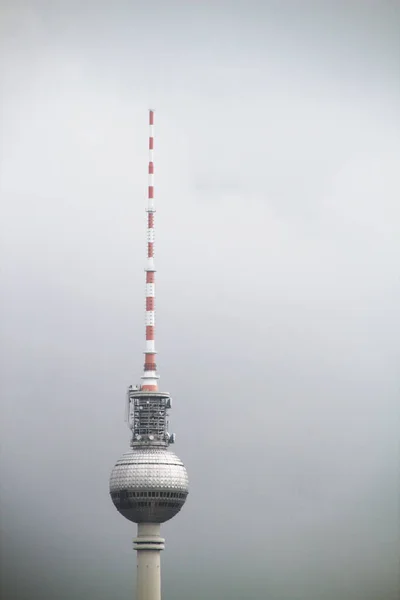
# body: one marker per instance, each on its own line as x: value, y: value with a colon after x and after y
x: 277, y: 187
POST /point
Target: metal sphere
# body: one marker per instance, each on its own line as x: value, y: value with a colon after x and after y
x: 149, y: 485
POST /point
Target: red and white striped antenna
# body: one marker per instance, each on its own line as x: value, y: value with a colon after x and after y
x: 150, y: 376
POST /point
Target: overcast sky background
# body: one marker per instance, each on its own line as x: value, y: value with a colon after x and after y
x: 278, y: 290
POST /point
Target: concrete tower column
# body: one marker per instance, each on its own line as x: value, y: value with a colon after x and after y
x: 148, y: 545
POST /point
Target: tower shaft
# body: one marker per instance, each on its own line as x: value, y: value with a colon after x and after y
x: 148, y: 545
x: 150, y: 376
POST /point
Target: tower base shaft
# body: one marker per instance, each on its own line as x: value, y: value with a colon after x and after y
x: 148, y: 545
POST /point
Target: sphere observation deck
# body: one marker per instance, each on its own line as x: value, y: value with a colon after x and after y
x: 149, y: 485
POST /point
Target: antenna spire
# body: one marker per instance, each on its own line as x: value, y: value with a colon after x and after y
x: 150, y: 376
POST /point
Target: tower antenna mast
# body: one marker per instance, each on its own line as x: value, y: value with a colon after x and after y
x: 150, y: 376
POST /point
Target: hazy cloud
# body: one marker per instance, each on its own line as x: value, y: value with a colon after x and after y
x: 277, y: 174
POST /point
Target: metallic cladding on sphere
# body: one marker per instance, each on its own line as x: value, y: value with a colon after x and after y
x: 149, y: 485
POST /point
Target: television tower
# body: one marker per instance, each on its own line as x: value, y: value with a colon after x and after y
x: 149, y: 484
